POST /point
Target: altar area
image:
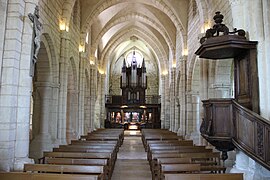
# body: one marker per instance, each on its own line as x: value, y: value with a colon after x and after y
x: 133, y: 120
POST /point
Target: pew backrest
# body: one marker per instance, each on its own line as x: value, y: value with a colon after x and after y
x: 235, y: 176
x: 63, y: 168
x: 45, y: 176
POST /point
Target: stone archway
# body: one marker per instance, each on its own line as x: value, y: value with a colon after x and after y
x: 41, y: 104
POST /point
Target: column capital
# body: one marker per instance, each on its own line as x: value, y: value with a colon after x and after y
x: 83, y: 55
x: 65, y: 35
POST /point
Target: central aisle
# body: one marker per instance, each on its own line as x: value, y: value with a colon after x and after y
x: 131, y: 163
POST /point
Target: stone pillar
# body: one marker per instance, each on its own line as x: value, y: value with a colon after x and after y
x: 189, y: 114
x: 182, y: 97
x: 82, y: 84
x: 3, y: 20
x: 251, y: 169
x: 266, y: 11
x: 102, y: 100
x: 195, y: 104
x: 24, y: 93
x: 172, y: 100
x: 99, y: 109
x: 177, y: 114
x: 255, y: 26
x: 42, y: 142
x: 64, y: 54
x: 166, y: 102
x: 72, y: 122
x: 87, y: 117
x: 162, y: 113
x: 53, y: 126
x: 10, y: 73
x: 92, y: 96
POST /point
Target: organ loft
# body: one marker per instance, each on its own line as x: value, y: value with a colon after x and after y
x: 133, y: 82
x: 133, y: 109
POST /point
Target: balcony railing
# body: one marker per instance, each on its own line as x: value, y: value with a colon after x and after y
x: 149, y: 99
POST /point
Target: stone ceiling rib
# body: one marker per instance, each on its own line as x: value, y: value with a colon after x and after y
x: 147, y: 38
x: 139, y: 17
x: 108, y: 3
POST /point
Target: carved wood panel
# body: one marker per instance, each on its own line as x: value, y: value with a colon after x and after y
x: 245, y: 131
x: 222, y: 113
x: 267, y: 145
x: 246, y: 80
x: 260, y: 140
x: 242, y: 81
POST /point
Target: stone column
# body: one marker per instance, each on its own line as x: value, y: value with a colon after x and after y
x: 72, y: 122
x: 203, y: 90
x: 10, y: 73
x: 24, y: 93
x: 42, y: 142
x: 53, y: 126
x: 162, y: 113
x: 172, y: 100
x: 82, y: 84
x: 195, y: 106
x: 266, y: 65
x: 64, y: 54
x: 189, y: 114
x: 251, y: 169
x: 182, y: 97
x: 3, y: 19
x: 98, y: 108
x: 177, y: 114
x: 102, y: 100
x: 167, y: 102
x: 92, y: 96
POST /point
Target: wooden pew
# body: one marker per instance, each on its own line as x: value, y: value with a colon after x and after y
x: 155, y: 143
x: 180, y: 168
x: 155, y: 168
x: 79, y: 155
x: 68, y: 161
x: 233, y: 176
x: 45, y: 176
x: 102, y: 138
x: 162, y: 137
x: 93, y: 143
x: 85, y: 147
x: 77, y: 169
x: 177, y: 151
x: 89, y: 150
x: 173, y: 149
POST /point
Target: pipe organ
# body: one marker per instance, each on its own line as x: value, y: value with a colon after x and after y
x: 133, y: 82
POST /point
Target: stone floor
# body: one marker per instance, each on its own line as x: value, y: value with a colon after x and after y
x: 131, y: 163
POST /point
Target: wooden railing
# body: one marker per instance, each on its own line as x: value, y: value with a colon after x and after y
x: 227, y: 124
x: 252, y: 134
x: 117, y: 99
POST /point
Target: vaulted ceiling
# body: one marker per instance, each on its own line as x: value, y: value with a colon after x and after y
x: 118, y: 26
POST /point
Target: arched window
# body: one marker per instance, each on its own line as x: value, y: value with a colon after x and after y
x: 134, y: 54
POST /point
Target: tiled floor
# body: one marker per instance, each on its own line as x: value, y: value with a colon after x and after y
x: 131, y: 163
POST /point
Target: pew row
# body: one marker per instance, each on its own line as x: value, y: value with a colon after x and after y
x: 44, y: 176
x: 232, y: 176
